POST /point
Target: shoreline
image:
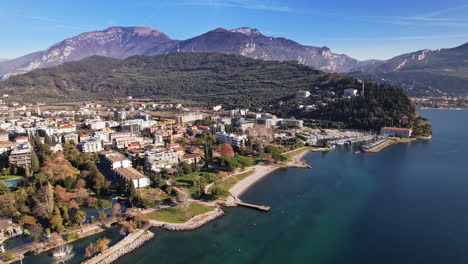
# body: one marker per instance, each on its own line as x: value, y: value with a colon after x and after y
x: 389, y: 143
x: 198, y: 221
x: 262, y: 171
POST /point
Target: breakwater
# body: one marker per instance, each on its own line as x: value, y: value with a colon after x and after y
x: 125, y: 246
x: 192, y: 224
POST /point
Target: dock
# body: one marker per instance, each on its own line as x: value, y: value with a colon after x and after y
x: 259, y: 207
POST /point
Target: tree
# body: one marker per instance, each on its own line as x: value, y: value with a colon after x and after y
x: 41, y: 177
x: 199, y: 184
x: 56, y: 221
x: 3, y: 188
x: 80, y: 183
x: 115, y: 209
x: 182, y: 198
x: 48, y: 198
x: 102, y: 204
x: 273, y: 149
x: 217, y: 191
x: 34, y: 161
x: 100, y: 246
x: 134, y: 195
x: 226, y: 150
x: 58, y: 168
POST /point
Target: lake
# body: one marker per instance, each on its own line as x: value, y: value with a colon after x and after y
x: 406, y: 204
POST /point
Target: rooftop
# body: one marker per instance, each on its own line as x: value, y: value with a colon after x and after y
x: 130, y: 173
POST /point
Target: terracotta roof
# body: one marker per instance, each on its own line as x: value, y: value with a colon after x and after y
x: 191, y: 156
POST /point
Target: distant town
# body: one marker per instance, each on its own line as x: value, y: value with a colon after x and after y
x: 444, y: 102
x: 72, y: 169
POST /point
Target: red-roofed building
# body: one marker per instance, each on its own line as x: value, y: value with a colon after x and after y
x: 21, y: 140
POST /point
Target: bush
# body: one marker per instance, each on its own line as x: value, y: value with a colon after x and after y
x: 72, y: 236
x: 217, y: 192
x: 8, y: 255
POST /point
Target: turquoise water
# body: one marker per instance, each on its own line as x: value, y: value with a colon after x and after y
x: 406, y: 204
x: 12, y: 182
x: 79, y: 248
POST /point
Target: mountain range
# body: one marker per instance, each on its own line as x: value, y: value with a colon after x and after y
x: 122, y: 42
x: 423, y: 72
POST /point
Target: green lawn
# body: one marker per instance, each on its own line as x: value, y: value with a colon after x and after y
x: 186, y: 180
x: 153, y: 194
x: 296, y: 152
x: 231, y: 181
x: 178, y: 214
x: 3, y: 177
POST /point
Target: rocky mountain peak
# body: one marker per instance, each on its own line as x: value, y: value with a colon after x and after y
x: 218, y: 30
x: 247, y: 31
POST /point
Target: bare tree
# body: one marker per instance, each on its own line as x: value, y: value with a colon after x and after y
x: 182, y: 198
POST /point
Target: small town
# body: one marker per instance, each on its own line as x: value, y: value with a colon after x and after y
x: 74, y: 169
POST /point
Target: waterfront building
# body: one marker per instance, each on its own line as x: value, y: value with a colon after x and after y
x: 395, y: 132
x: 127, y: 175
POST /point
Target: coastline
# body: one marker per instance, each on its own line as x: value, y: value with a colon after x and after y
x: 260, y: 172
x: 389, y: 143
x: 197, y: 221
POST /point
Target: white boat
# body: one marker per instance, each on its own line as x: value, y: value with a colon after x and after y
x: 63, y: 253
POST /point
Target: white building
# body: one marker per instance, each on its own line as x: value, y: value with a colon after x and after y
x: 123, y: 142
x: 118, y: 166
x: 350, y: 92
x: 114, y: 160
x: 97, y: 125
x: 395, y: 132
x: 103, y: 135
x: 158, y: 139
x: 217, y: 108
x: 127, y: 175
x: 91, y: 145
x: 302, y: 94
x: 155, y: 160
x: 232, y: 139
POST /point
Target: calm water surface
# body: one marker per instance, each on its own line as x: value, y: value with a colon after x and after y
x: 406, y: 204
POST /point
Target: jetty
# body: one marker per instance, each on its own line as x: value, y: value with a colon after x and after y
x: 259, y: 207
x: 125, y: 246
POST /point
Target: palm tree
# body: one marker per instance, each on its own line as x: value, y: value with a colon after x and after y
x: 80, y: 217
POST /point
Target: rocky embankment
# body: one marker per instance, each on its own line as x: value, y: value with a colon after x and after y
x: 125, y: 246
x: 192, y: 224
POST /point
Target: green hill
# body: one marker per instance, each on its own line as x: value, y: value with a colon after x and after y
x: 203, y: 79
x: 195, y: 78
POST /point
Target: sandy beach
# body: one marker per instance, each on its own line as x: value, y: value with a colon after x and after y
x: 260, y: 172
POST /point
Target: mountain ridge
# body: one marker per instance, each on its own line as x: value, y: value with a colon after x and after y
x: 423, y: 72
x: 122, y: 42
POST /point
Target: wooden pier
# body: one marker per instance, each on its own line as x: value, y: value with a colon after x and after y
x: 259, y: 207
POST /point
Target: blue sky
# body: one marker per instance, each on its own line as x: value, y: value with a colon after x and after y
x: 363, y: 29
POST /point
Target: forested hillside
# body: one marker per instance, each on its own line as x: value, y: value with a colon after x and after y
x: 193, y: 78
x: 208, y: 79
